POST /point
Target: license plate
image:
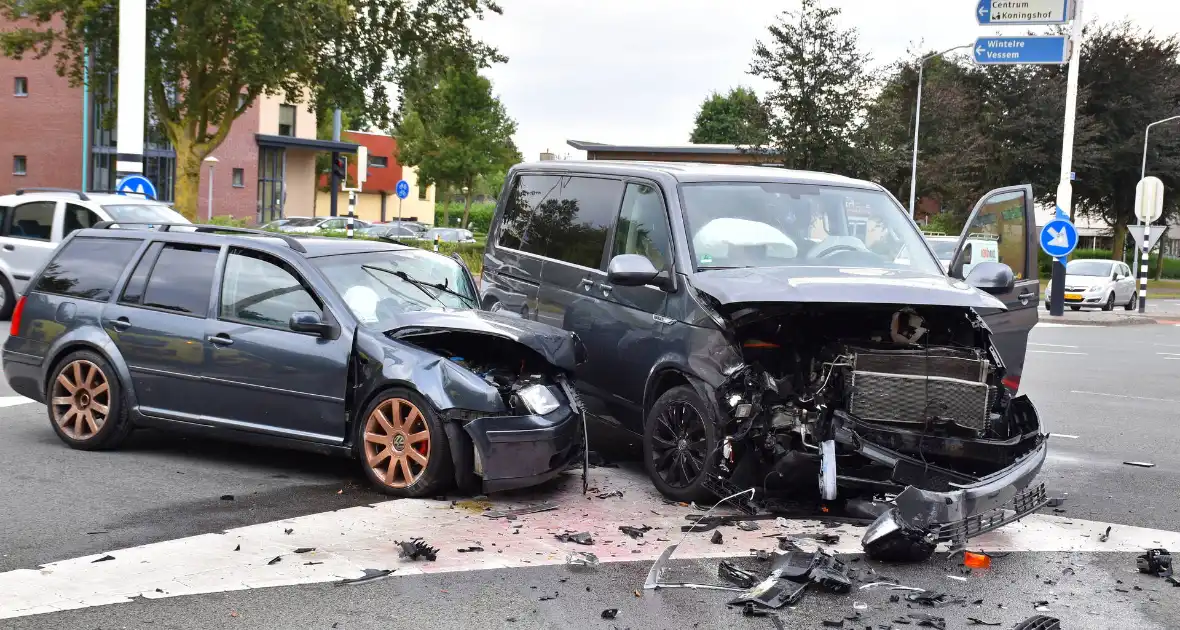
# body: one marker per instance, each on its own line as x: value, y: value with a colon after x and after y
x: 1073, y: 296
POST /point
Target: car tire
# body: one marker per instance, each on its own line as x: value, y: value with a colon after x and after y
x: 1109, y: 305
x: 1047, y: 307
x: 1133, y: 302
x: 1075, y: 308
x: 8, y: 300
x: 402, y: 445
x: 85, y: 402
x: 679, y: 441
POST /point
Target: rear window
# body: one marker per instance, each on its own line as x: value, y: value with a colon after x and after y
x: 144, y: 213
x: 87, y: 268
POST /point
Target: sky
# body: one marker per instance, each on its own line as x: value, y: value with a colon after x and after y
x: 636, y: 71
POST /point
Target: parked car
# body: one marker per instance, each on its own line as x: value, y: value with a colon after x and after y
x: 313, y: 225
x: 449, y: 235
x: 358, y: 348
x: 35, y: 220
x: 392, y: 231
x: 1102, y: 283
x: 274, y: 225
x: 736, y: 323
x: 943, y: 247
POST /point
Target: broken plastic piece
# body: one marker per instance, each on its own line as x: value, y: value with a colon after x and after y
x: 607, y: 495
x: 1039, y: 622
x: 747, y: 526
x: 734, y: 575
x: 928, y: 621
x: 610, y: 613
x: 227, y: 497
x: 582, y: 538
x: 892, y: 586
x: 416, y: 548
x: 103, y: 559
x: 1141, y: 464
x: 528, y: 509
x: 891, y: 539
x: 581, y: 559
x: 1157, y: 562
x: 471, y: 549
x: 634, y: 532
x: 818, y: 568
x: 275, y: 560
x: 305, y: 550
x: 829, y: 623
x: 717, y: 538
x: 773, y: 592
x: 975, y: 560
x: 1104, y: 536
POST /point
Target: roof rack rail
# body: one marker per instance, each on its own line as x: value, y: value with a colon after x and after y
x: 291, y: 242
x: 124, y: 192
x: 81, y: 195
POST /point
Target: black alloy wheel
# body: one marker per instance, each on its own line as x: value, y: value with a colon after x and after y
x: 679, y: 444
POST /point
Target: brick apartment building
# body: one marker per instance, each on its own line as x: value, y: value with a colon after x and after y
x: 55, y: 135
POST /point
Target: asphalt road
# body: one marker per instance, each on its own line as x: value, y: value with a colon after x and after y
x: 1112, y: 388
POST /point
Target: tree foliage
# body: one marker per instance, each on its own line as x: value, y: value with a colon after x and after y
x: 821, y: 90
x: 207, y: 62
x: 734, y: 118
x: 457, y: 132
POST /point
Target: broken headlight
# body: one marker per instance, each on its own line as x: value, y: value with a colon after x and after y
x: 539, y: 399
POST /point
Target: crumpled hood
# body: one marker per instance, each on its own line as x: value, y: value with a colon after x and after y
x: 731, y: 287
x: 561, y: 348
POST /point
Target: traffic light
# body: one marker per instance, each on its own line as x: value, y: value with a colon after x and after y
x: 340, y: 168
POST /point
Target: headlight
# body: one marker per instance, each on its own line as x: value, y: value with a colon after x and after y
x: 539, y: 399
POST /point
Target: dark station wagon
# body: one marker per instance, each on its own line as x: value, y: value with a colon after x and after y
x: 358, y: 348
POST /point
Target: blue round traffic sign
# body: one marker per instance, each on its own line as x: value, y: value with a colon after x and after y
x: 136, y: 185
x: 1058, y: 238
x: 403, y: 189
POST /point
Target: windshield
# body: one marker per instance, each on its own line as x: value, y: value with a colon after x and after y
x: 767, y: 224
x: 943, y: 249
x: 375, y: 295
x: 144, y: 213
x: 1089, y: 268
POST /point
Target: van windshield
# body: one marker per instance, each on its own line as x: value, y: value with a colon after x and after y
x: 771, y: 224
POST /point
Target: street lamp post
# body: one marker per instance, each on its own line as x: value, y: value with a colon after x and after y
x: 211, y: 161
x: 917, y: 120
x: 1142, y: 174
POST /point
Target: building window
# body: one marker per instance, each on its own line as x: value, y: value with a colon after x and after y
x: 271, y: 168
x: 242, y: 101
x: 239, y: 178
x: 159, y: 160
x: 422, y: 192
x: 378, y: 161
x: 21, y: 86
x: 19, y: 164
x: 286, y: 120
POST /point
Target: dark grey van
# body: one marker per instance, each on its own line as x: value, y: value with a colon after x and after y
x: 774, y: 329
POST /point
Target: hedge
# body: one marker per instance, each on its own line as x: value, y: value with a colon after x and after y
x: 479, y: 220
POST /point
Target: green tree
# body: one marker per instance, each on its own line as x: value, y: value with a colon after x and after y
x: 821, y: 90
x: 456, y: 132
x: 207, y: 62
x: 735, y: 118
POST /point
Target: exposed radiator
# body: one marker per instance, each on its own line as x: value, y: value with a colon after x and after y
x: 912, y: 386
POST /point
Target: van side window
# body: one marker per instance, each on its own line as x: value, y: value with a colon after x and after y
x: 182, y: 279
x: 33, y: 220
x: 531, y: 195
x: 575, y: 228
x: 643, y: 226
x: 88, y: 268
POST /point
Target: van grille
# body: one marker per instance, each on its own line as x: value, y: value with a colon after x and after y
x: 913, y: 386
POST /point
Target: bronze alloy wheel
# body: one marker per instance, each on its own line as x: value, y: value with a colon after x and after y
x: 397, y: 443
x: 81, y: 400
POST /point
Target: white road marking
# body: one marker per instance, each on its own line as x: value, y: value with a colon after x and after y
x: 1063, y: 435
x: 1124, y: 396
x: 1051, y: 345
x: 1169, y: 354
x: 1057, y: 352
x: 351, y: 540
x: 12, y: 401
x: 1055, y: 325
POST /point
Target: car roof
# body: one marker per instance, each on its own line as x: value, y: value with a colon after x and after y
x: 313, y: 246
x: 99, y: 198
x: 693, y: 172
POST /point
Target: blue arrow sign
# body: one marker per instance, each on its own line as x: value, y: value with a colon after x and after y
x: 1058, y: 238
x: 403, y: 189
x: 1014, y: 50
x: 1024, y: 11
x: 136, y: 185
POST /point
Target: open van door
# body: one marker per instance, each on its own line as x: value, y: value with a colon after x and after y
x: 1002, y: 228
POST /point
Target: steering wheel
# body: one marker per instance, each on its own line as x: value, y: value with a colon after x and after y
x: 836, y: 249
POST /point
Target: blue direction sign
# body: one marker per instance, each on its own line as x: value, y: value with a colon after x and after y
x: 1058, y: 238
x: 1014, y: 50
x: 1024, y: 11
x: 403, y: 189
x: 136, y: 185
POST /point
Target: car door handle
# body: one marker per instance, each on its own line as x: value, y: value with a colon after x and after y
x: 121, y: 324
x: 586, y: 284
x: 9, y: 248
x: 606, y: 289
x: 1025, y: 297
x: 220, y: 339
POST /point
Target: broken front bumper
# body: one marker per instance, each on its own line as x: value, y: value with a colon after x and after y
x: 521, y: 451
x: 966, y: 507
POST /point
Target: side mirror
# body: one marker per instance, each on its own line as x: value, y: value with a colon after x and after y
x: 631, y: 270
x: 309, y: 322
x: 992, y: 277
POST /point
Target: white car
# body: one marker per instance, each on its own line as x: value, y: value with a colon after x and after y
x: 1103, y: 283
x: 313, y: 225
x: 33, y: 221
x: 943, y: 248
